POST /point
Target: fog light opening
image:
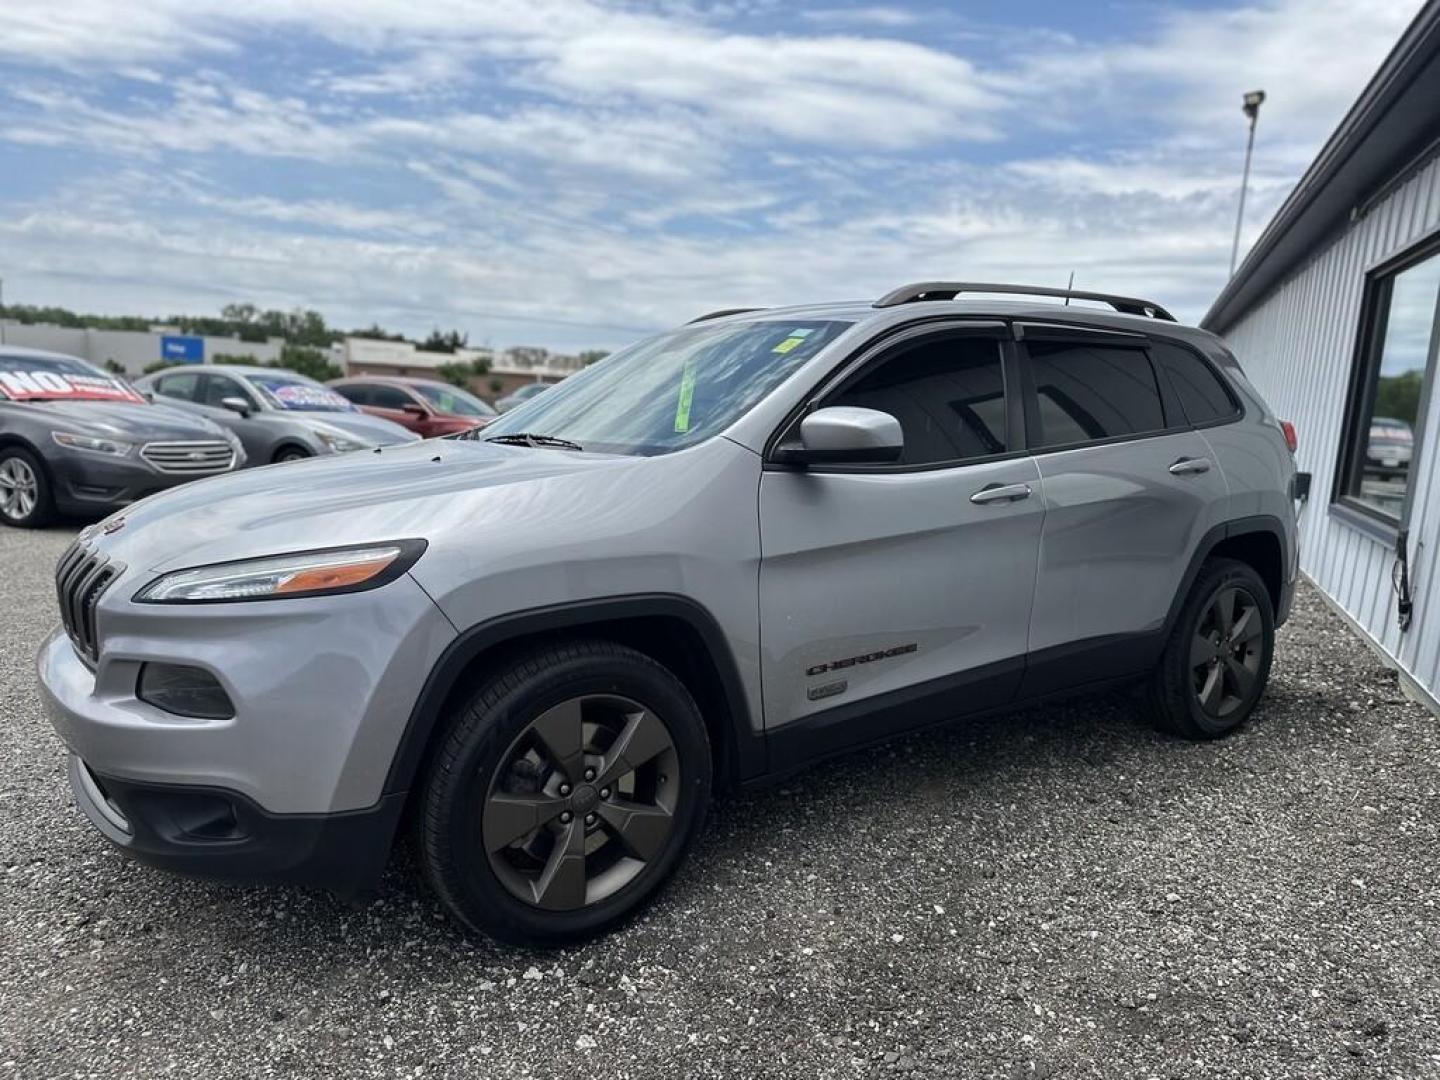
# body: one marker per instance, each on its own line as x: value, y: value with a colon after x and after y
x: 184, y: 691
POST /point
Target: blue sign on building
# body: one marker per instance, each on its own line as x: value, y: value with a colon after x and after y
x: 182, y: 350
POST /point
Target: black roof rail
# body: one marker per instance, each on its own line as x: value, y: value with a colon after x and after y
x: 949, y: 290
x: 722, y: 313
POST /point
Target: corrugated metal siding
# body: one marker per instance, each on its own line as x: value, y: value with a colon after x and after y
x: 1297, y: 347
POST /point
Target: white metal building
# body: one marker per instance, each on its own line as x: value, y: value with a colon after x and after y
x: 1335, y: 316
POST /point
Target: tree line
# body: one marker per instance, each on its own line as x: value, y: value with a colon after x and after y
x: 306, y: 335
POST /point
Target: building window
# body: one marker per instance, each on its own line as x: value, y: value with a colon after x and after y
x: 1391, y: 384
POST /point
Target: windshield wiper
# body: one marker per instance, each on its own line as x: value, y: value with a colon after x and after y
x: 525, y: 438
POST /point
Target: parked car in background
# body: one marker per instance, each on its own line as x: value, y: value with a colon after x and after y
x: 76, y: 440
x: 427, y: 407
x: 277, y: 415
x: 1390, y: 448
x: 519, y: 397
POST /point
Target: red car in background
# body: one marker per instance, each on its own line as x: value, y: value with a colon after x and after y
x: 427, y: 407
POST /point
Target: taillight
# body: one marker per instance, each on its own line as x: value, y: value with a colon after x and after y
x: 1291, y: 439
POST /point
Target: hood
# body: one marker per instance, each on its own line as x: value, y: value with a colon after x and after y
x: 438, y: 490
x: 131, y: 421
x: 373, y: 429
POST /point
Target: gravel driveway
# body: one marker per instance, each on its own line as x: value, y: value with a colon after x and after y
x: 1057, y: 892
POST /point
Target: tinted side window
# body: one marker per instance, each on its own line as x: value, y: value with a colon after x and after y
x: 1199, y: 390
x: 181, y: 385
x: 947, y: 393
x: 389, y: 397
x: 1084, y: 392
x: 356, y: 393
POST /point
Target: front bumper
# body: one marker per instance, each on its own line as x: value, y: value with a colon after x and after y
x: 292, y: 787
x: 322, y: 689
x: 87, y: 483
x: 210, y: 832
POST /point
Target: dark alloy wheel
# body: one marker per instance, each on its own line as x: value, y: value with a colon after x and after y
x: 1226, y: 650
x: 1217, y: 660
x: 582, y: 802
x: 568, y: 788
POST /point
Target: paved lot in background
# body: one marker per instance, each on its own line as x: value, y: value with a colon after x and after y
x: 1056, y: 892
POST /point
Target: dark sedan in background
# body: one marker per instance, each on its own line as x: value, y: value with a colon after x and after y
x: 75, y: 440
x: 426, y: 406
x: 278, y: 415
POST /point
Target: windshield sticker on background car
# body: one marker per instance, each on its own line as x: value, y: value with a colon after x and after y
x: 67, y: 386
x: 301, y: 396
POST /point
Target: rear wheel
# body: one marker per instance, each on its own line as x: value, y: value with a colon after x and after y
x: 1217, y: 661
x: 567, y: 791
x: 26, y: 500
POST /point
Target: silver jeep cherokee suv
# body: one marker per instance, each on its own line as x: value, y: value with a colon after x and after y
x: 712, y: 558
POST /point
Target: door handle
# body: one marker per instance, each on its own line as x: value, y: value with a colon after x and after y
x: 1187, y: 465
x: 1001, y: 493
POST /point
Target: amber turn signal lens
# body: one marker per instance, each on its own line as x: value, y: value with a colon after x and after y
x: 333, y: 577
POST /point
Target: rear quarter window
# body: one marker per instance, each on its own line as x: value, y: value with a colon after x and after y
x: 1200, y: 391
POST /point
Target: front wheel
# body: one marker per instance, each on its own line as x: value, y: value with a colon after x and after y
x: 569, y: 788
x: 1217, y: 660
x: 26, y: 500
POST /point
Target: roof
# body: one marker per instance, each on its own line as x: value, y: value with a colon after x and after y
x: 39, y: 354
x: 1393, y: 124
x: 243, y: 369
x: 398, y: 380
x: 1055, y: 313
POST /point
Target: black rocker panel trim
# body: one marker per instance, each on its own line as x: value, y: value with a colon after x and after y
x: 884, y: 716
x: 1092, y: 664
x: 747, y: 752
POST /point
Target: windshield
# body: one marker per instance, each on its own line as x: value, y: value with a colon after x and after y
x: 298, y: 394
x: 449, y: 399
x: 58, y: 378
x: 671, y: 391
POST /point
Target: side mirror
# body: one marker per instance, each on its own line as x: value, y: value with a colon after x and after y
x: 417, y: 411
x: 236, y: 405
x: 844, y: 435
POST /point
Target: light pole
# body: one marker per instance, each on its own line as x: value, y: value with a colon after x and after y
x: 1253, y: 100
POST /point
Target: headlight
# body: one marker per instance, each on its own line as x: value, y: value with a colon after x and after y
x: 276, y: 577
x: 92, y: 443
x: 237, y: 446
x: 339, y: 443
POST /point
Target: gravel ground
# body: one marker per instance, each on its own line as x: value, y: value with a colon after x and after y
x: 1056, y: 892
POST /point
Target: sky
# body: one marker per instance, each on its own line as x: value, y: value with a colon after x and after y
x: 579, y: 173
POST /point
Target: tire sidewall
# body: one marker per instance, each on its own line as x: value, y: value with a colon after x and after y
x: 486, y: 903
x: 40, y: 514
x: 1225, y: 575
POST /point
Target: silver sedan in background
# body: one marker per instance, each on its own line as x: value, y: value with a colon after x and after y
x: 277, y: 415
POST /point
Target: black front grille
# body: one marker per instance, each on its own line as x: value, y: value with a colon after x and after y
x: 81, y: 578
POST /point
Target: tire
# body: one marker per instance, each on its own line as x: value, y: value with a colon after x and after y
x: 27, y: 500
x: 1201, y: 689
x: 289, y: 453
x: 509, y: 765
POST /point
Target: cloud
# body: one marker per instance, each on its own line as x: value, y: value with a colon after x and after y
x: 517, y: 167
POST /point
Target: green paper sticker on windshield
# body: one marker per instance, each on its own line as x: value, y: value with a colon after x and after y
x: 687, y: 393
x: 788, y: 344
